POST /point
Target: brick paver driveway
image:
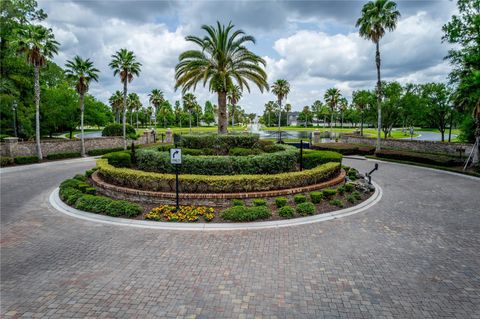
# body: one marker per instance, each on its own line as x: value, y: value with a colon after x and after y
x: 414, y: 254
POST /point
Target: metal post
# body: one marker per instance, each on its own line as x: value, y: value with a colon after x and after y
x: 301, y: 155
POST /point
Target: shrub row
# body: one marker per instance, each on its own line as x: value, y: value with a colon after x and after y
x: 216, y: 184
x: 268, y: 163
x: 6, y: 161
x: 434, y: 159
x: 63, y: 155
x: 119, y: 159
x: 104, y: 151
x: 346, y: 149
x: 219, y: 141
x: 313, y: 158
x: 26, y: 159
x: 246, y: 214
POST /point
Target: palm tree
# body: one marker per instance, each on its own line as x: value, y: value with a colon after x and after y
x: 178, y: 113
x: 361, y: 100
x: 133, y: 103
x: 280, y: 88
x: 343, y: 107
x: 288, y: 108
x: 332, y: 98
x: 189, y: 103
x: 157, y: 99
x: 269, y: 107
x: 82, y: 72
x: 149, y: 113
x: 223, y: 60
x: 233, y: 96
x: 116, y: 101
x: 124, y: 63
x: 377, y: 17
x: 38, y: 44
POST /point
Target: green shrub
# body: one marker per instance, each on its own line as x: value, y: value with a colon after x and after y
x: 215, y: 184
x: 433, y: 159
x: 313, y: 158
x: 222, y: 142
x: 336, y: 202
x: 329, y: 192
x: 70, y: 183
x: 346, y: 149
x: 267, y: 163
x: 351, y: 198
x: 26, y: 159
x: 238, y: 202
x: 352, y: 174
x: 299, y: 199
x: 286, y: 212
x: 246, y: 214
x: 316, y: 197
x: 349, y: 187
x: 271, y: 148
x: 280, y: 201
x: 6, y: 161
x: 56, y: 156
x: 83, y: 187
x: 116, y: 129
x: 165, y: 148
x: 241, y: 151
x: 94, y: 204
x: 89, y: 172
x: 104, y: 151
x: 192, y: 151
x: 259, y: 202
x: 70, y: 195
x: 306, y: 208
x: 357, y: 195
x: 90, y: 190
x: 119, y: 159
x: 80, y: 177
x: 123, y: 208
x: 341, y: 190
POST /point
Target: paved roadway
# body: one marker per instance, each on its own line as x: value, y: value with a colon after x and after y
x: 416, y: 254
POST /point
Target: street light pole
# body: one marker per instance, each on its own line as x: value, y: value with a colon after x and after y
x: 14, y: 109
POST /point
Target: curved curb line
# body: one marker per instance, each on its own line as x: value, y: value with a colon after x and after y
x: 59, y: 205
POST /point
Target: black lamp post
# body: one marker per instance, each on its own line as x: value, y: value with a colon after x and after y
x: 14, y: 109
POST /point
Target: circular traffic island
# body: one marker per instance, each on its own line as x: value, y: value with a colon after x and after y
x: 223, y: 178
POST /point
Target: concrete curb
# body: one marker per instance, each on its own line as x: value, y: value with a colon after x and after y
x: 59, y: 205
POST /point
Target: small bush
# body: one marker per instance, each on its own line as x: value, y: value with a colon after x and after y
x: 304, y: 209
x: 259, y: 202
x: 280, y: 201
x: 123, y: 208
x: 90, y: 190
x: 299, y: 198
x: 346, y: 149
x: 341, y: 190
x: 119, y: 159
x: 286, y: 212
x: 222, y: 142
x: 94, y: 204
x: 246, y: 214
x: 80, y: 177
x: 351, y: 198
x: 313, y: 158
x: 56, y: 156
x: 357, y: 195
x: 6, y: 161
x: 349, y: 187
x: 316, y: 197
x: 89, y: 172
x: 70, y: 195
x: 104, y: 151
x: 329, y: 192
x: 116, y: 129
x: 26, y: 159
x: 238, y: 202
x: 352, y: 174
x: 336, y: 202
x: 70, y: 183
x: 83, y: 187
x: 241, y: 151
x: 192, y: 151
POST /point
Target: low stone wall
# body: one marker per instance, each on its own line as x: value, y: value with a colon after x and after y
x: 212, y: 199
x: 11, y: 147
x: 462, y: 149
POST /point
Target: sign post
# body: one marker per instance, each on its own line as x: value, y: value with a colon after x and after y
x: 176, y: 160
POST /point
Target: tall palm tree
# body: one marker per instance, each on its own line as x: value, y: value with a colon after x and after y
x: 222, y: 60
x: 156, y: 98
x: 269, y: 107
x: 125, y: 64
x: 288, y: 108
x: 332, y: 98
x: 82, y: 72
x: 38, y: 44
x: 280, y: 88
x: 233, y: 96
x: 378, y: 16
x: 116, y: 102
x: 178, y: 113
x: 189, y: 103
x: 133, y: 104
x: 149, y: 113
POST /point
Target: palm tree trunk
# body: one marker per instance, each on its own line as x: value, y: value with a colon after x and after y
x: 450, y: 128
x: 331, y: 120
x: 190, y: 120
x: 361, y: 124
x: 125, y: 113
x: 341, y: 125
x: 137, y: 118
x: 37, y: 111
x: 287, y: 118
x: 279, y: 114
x: 82, y: 112
x: 222, y: 113
x: 233, y: 116
x: 379, y: 97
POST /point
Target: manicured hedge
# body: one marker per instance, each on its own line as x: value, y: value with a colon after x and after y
x: 313, y: 158
x: 434, y: 159
x: 268, y: 163
x: 119, y: 159
x: 346, y: 149
x: 117, y: 130
x: 6, y: 161
x: 216, y: 184
x: 104, y: 151
x: 63, y: 155
x: 26, y: 159
x: 219, y: 141
x: 246, y: 214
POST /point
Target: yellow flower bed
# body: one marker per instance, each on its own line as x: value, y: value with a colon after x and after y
x: 185, y: 213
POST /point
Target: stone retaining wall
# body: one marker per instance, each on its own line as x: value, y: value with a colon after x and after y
x: 207, y: 199
x: 462, y: 149
x: 11, y: 147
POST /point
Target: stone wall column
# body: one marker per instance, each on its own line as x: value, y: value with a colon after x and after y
x: 316, y: 137
x: 169, y: 136
x: 11, y: 144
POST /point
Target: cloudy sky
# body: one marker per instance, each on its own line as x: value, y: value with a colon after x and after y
x: 312, y: 44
